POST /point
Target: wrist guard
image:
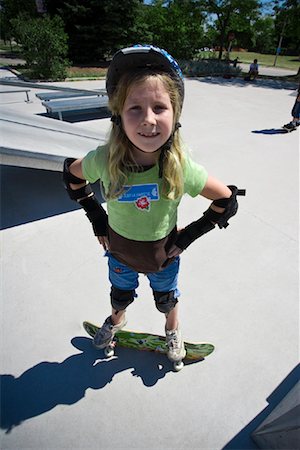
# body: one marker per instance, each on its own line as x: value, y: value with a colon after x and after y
x: 86, y: 198
x: 96, y: 215
x: 210, y: 218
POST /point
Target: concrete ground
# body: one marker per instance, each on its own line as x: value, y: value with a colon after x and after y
x: 239, y: 286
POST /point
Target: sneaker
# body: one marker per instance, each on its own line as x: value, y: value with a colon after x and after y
x: 175, y: 344
x: 106, y: 333
x: 289, y: 126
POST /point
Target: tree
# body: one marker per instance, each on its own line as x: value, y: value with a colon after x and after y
x: 96, y: 29
x: 231, y: 15
x: 287, y: 25
x: 263, y: 39
x: 10, y: 9
x: 44, y: 45
x: 176, y: 26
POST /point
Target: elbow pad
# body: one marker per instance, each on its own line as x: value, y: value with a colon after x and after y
x: 68, y: 177
x: 230, y: 206
x: 210, y: 218
x: 86, y: 198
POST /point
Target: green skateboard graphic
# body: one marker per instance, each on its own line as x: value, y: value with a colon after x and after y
x: 195, y: 351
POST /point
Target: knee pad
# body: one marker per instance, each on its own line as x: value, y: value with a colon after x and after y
x: 121, y: 299
x: 165, y: 301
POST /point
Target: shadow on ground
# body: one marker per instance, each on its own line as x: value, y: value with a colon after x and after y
x: 33, y: 194
x: 270, y: 131
x: 261, y: 82
x: 243, y: 439
x: 49, y: 384
x: 81, y: 116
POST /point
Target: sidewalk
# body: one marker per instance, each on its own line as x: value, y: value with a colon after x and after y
x: 270, y: 71
x: 239, y: 289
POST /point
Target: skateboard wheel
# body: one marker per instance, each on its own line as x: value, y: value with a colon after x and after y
x: 109, y: 351
x: 178, y: 365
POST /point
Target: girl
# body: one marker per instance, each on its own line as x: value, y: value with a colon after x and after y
x: 145, y: 172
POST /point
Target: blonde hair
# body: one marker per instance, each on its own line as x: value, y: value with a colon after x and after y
x: 121, y: 160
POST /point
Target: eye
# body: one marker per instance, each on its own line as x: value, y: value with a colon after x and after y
x: 159, y: 108
x: 135, y: 108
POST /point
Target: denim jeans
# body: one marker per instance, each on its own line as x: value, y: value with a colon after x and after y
x: 122, y: 277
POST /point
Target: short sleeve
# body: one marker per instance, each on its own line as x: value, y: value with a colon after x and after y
x: 195, y: 177
x: 94, y: 164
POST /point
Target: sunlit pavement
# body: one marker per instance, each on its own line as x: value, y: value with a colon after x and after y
x: 239, y: 287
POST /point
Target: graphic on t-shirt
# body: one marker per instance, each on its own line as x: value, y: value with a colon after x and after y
x: 141, y: 195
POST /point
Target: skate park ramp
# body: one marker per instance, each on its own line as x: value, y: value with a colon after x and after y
x: 281, y: 429
x: 40, y: 142
x: 239, y: 287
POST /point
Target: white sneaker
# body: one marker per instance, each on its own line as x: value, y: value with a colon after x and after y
x: 175, y: 344
x: 105, y: 334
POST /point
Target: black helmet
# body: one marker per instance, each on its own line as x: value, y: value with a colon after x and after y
x: 140, y: 57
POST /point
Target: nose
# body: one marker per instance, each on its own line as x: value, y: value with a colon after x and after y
x: 149, y: 117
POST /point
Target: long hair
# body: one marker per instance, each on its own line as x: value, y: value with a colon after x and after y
x: 121, y: 160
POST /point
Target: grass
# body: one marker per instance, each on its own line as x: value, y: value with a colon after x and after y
x: 14, y: 48
x: 92, y: 72
x: 284, y: 62
x: 86, y: 72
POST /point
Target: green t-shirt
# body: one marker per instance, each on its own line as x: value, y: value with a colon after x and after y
x: 141, y: 213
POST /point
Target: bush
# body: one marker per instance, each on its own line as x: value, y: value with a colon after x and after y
x: 44, y: 45
x: 212, y: 67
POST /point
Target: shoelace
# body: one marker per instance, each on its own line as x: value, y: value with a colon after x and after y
x: 173, y: 340
x: 106, y: 327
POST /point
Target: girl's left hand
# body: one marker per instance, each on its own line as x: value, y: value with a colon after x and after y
x: 174, y: 251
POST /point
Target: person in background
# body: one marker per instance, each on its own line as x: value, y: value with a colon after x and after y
x: 295, y: 122
x: 253, y: 70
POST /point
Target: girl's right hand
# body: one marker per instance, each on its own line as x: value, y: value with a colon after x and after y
x: 104, y: 242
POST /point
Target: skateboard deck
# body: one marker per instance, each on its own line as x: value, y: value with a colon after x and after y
x: 195, y: 351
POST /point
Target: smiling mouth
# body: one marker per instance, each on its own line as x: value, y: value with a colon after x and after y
x: 148, y: 135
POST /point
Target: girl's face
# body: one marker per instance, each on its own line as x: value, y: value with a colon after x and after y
x: 147, y: 118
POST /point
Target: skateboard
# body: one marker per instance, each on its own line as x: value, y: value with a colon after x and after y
x: 195, y: 351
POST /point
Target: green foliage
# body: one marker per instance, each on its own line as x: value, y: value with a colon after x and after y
x: 287, y: 24
x: 263, y: 39
x: 232, y: 15
x: 208, y: 67
x: 44, y: 44
x: 10, y: 9
x: 96, y: 29
x: 176, y: 26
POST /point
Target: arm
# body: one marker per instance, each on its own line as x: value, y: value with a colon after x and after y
x: 223, y: 207
x: 81, y: 191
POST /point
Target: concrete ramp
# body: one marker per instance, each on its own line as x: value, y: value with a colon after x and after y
x: 42, y: 143
x: 281, y: 429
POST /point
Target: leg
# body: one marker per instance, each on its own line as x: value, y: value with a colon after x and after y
x: 120, y: 299
x: 296, y: 112
x: 124, y: 282
x: 172, y: 319
x: 117, y: 316
x: 164, y: 286
x: 165, y: 291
